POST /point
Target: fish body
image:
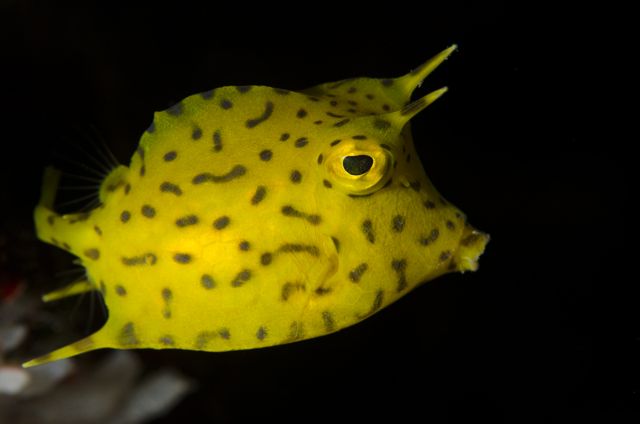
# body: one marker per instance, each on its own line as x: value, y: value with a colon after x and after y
x: 252, y: 216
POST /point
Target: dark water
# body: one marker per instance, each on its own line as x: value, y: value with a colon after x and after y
x: 541, y: 333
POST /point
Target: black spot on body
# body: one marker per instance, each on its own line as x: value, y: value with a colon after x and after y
x: 196, y: 134
x: 450, y: 225
x: 221, y: 222
x: 143, y: 170
x: 127, y: 336
x: 341, y: 123
x: 386, y: 108
x: 359, y: 137
x: 429, y: 204
x: 244, y: 245
x: 175, y: 110
x: 333, y: 103
x: 327, y: 183
x: 120, y: 290
x: 242, y: 277
x: 334, y: 115
x: 236, y: 172
x: 295, y: 248
x: 226, y: 104
x: 217, y: 141
x: 290, y: 288
x: 336, y: 243
x: 167, y: 187
x: 148, y: 211
x: 261, y: 334
x: 356, y: 274
x: 444, y: 256
x: 145, y: 259
x: 203, y: 338
x: 92, y: 253
x: 320, y: 158
x: 252, y: 123
x: 224, y: 333
x: 381, y: 124
x: 266, y: 155
x: 187, y: 220
x: 285, y: 137
x: 397, y: 223
x: 182, y: 258
x: 367, y: 229
x: 328, y: 321
x: 335, y: 142
x: 125, y: 216
x: 301, y: 142
x: 259, y: 195
x: 296, y: 331
x: 169, y: 156
x: 301, y: 113
x: 243, y: 88
x: 295, y: 177
x: 433, y: 236
x: 207, y: 94
x: 385, y: 146
x: 266, y: 258
x: 207, y: 281
x: 167, y: 340
x: 127, y: 188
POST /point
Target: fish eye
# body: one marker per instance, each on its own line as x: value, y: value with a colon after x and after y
x: 357, y: 165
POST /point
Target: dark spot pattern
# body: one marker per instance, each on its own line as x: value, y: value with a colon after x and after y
x: 226, y: 104
x: 125, y: 216
x: 196, y: 134
x: 266, y: 155
x: 167, y: 187
x: 167, y: 340
x: 92, y: 253
x: 289, y: 210
x: 328, y: 321
x: 127, y: 335
x: 261, y: 334
x: 243, y: 88
x: 170, y: 156
x: 327, y: 183
x: 335, y: 143
x: 148, y: 211
x: 334, y: 115
x: 187, y: 220
x: 175, y: 110
x: 301, y: 113
x: 266, y: 258
x: 342, y: 123
x: 203, y: 338
x: 450, y: 225
x: 301, y: 142
x: 381, y: 124
x: 221, y: 222
x: 143, y: 170
x: 259, y: 195
x: 145, y: 259
x: 285, y: 136
x: 433, y: 236
x: 244, y: 245
x: 268, y: 110
x: 207, y: 281
x: 182, y: 258
x: 359, y: 137
x: 127, y: 188
x: 207, y: 94
x: 236, y: 171
x: 224, y: 333
x: 444, y: 256
x: 217, y: 141
x: 295, y: 177
x: 356, y: 274
x: 120, y: 290
x: 290, y: 288
x: 297, y: 248
x: 241, y: 278
x: 397, y: 223
x: 400, y: 266
x: 320, y: 158
x: 429, y: 204
x: 367, y: 229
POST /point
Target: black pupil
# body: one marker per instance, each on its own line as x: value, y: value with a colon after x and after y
x: 357, y: 165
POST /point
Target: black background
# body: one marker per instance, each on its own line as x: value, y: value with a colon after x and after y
x: 543, y: 332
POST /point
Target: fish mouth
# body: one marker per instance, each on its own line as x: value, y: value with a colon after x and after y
x: 471, y: 247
